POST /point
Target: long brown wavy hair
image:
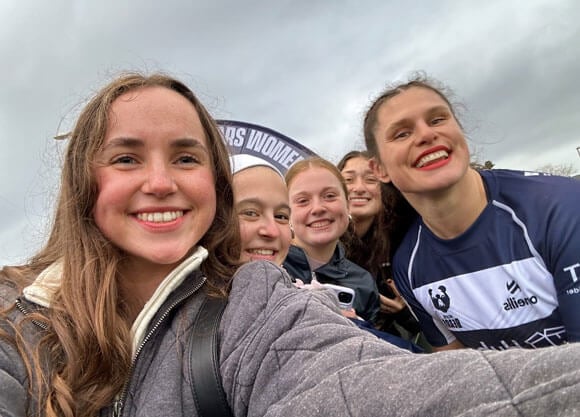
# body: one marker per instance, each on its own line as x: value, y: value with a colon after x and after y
x: 83, y: 358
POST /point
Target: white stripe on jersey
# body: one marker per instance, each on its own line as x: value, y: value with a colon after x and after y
x: 495, y: 298
x: 521, y: 224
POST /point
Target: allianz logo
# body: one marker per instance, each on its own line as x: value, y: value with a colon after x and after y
x: 512, y: 303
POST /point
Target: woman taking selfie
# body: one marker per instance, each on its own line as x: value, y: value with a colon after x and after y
x: 143, y: 220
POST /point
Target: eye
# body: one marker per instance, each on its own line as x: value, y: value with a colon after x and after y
x: 301, y: 201
x: 401, y: 134
x: 348, y: 180
x: 329, y: 196
x: 437, y: 120
x: 282, y: 217
x: 124, y: 160
x: 188, y: 160
x: 371, y: 180
x: 249, y: 213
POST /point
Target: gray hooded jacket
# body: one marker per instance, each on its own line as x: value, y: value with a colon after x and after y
x: 289, y: 352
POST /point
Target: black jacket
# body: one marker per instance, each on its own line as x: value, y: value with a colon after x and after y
x: 338, y: 271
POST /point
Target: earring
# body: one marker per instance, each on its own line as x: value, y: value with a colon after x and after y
x: 292, y: 234
x: 349, y: 217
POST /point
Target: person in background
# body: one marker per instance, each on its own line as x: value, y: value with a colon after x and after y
x: 370, y: 244
x: 261, y: 203
x: 266, y: 234
x: 320, y: 217
x: 99, y: 322
x: 493, y: 258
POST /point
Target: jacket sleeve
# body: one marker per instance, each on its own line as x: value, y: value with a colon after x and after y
x: 13, y: 380
x: 373, y: 305
x: 13, y: 392
x: 287, y: 352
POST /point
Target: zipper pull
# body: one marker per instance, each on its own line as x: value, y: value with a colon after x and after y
x: 117, y: 408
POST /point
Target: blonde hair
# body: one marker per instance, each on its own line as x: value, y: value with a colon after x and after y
x: 89, y: 292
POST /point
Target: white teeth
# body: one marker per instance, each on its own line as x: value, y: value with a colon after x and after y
x: 160, y: 217
x: 319, y: 224
x: 264, y: 252
x: 431, y: 157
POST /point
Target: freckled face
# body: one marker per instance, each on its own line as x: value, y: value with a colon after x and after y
x: 319, y: 209
x: 156, y: 185
x: 261, y: 201
x: 364, y: 193
x: 421, y: 146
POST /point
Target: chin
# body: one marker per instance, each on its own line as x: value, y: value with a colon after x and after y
x: 168, y: 258
x: 364, y: 214
x: 325, y: 241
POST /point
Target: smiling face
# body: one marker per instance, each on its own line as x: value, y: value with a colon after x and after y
x: 421, y: 145
x: 261, y: 202
x: 364, y: 192
x: 319, y: 211
x: 156, y: 194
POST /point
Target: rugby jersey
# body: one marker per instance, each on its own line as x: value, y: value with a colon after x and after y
x: 511, y: 279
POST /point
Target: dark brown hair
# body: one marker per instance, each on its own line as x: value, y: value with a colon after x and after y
x: 394, y: 203
x: 374, y: 250
x: 418, y: 80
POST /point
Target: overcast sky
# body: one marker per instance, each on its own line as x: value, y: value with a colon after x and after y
x: 306, y: 68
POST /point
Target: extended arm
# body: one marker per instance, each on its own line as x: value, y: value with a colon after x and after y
x: 289, y: 353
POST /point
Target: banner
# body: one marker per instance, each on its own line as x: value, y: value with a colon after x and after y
x: 259, y: 141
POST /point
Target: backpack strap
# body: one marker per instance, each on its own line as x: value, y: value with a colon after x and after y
x: 208, y: 393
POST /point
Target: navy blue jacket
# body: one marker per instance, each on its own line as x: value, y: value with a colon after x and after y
x: 338, y: 271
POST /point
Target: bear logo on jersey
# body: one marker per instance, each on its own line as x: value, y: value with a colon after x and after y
x: 441, y: 300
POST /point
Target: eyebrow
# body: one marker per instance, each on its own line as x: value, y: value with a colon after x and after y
x: 438, y: 109
x: 403, y: 122
x: 124, y: 143
x: 302, y: 193
x: 354, y: 172
x: 127, y: 142
x: 348, y: 171
x: 258, y: 202
x: 330, y: 188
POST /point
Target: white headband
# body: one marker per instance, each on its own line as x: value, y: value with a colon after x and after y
x: 242, y: 161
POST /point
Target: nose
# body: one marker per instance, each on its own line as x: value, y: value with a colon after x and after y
x: 318, y: 207
x: 357, y: 186
x: 159, y: 181
x: 269, y: 228
x: 425, y: 133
